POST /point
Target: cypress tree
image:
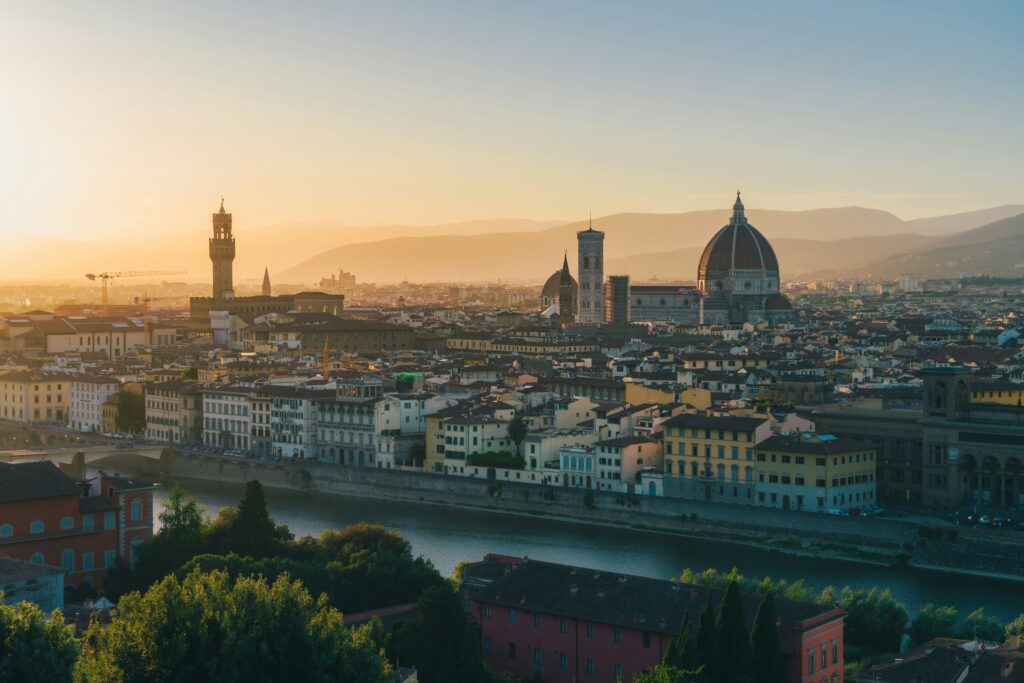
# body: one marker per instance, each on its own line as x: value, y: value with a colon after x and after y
x: 253, y: 533
x: 707, y: 645
x: 733, y: 637
x: 682, y: 653
x: 765, y: 648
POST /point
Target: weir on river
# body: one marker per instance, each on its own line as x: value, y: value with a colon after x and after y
x: 447, y: 535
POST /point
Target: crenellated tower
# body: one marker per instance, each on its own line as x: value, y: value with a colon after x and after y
x: 222, y: 254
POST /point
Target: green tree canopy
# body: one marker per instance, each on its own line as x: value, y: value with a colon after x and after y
x: 933, y: 622
x: 979, y: 626
x: 436, y: 640
x: 517, y: 431
x: 666, y: 673
x: 33, y: 648
x: 1015, y: 627
x: 733, y: 637
x: 707, y: 644
x: 248, y: 529
x: 874, y: 620
x: 179, y: 539
x: 765, y: 648
x: 682, y: 651
x: 210, y: 629
x: 131, y: 412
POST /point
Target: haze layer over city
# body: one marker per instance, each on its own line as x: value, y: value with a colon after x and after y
x: 663, y: 342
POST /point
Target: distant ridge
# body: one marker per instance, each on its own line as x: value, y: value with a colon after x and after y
x: 665, y: 246
x: 850, y: 240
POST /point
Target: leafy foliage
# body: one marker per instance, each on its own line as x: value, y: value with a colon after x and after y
x: 33, y: 648
x: 517, y: 431
x: 666, y: 673
x: 733, y: 637
x: 932, y: 622
x: 361, y: 567
x: 208, y: 628
x: 444, y: 647
x: 682, y: 651
x: 131, y: 412
x: 765, y: 647
x: 707, y: 644
x: 1015, y: 627
x: 977, y: 625
x: 874, y: 620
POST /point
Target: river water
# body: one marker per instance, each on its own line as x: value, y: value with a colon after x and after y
x: 447, y: 535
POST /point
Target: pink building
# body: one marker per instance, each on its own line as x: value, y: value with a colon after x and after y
x: 573, y: 624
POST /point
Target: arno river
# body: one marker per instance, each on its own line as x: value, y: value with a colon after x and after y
x: 447, y: 535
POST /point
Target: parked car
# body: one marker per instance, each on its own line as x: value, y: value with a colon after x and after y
x: 840, y: 512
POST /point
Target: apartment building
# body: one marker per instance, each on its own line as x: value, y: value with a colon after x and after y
x: 711, y: 457
x: 34, y: 396
x: 85, y: 405
x: 815, y: 472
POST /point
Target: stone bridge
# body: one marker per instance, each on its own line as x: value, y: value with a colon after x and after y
x: 74, y: 461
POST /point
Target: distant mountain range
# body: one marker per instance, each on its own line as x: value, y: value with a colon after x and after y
x: 275, y: 246
x: 819, y: 242
x: 645, y: 246
x: 995, y: 249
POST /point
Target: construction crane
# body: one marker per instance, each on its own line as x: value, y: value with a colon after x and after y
x: 105, y: 277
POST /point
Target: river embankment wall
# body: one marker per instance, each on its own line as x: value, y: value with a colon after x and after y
x: 877, y: 540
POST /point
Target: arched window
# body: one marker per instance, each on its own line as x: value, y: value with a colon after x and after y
x: 36, y: 527
x: 67, y: 560
x: 6, y: 530
x: 38, y: 558
x: 67, y: 523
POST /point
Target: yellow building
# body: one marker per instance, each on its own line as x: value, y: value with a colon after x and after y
x: 714, y: 361
x: 433, y: 460
x: 711, y: 457
x: 34, y: 396
x: 1003, y: 393
x: 815, y: 472
x: 109, y: 412
x: 637, y: 394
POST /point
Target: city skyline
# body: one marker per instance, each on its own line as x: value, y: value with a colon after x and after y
x: 410, y: 114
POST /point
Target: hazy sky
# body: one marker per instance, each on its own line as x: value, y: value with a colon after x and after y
x: 120, y: 117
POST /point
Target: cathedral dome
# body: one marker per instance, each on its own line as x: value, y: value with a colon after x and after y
x: 554, y: 283
x: 737, y: 246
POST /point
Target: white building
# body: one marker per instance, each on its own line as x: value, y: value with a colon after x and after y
x: 293, y: 420
x: 88, y: 394
x: 227, y: 417
x: 577, y: 468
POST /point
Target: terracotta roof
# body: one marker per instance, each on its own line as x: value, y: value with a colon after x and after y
x: 28, y: 480
x: 636, y: 602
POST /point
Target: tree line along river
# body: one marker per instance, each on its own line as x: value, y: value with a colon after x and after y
x: 447, y: 535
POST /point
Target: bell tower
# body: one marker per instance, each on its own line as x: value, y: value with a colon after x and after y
x: 222, y: 254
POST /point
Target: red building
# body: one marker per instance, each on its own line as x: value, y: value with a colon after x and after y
x: 571, y: 624
x: 82, y: 527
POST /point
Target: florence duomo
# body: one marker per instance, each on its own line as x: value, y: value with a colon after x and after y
x: 294, y: 386
x: 737, y: 282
